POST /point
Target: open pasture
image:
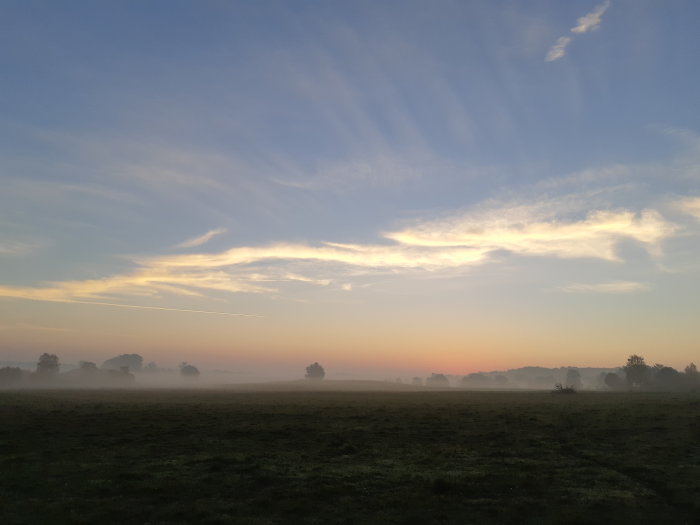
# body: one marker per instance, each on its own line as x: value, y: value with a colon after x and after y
x: 222, y: 456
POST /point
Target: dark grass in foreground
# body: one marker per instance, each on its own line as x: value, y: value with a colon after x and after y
x: 348, y: 457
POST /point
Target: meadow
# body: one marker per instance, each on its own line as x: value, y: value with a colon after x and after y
x: 259, y: 457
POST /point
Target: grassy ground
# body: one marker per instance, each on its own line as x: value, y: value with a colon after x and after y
x: 348, y: 457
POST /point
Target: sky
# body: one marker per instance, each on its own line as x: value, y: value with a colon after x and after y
x: 386, y: 187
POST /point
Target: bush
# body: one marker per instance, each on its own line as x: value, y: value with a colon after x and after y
x: 562, y: 389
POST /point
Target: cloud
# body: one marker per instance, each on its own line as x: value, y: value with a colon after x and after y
x: 202, y: 239
x: 586, y: 23
x: 144, y: 282
x: 186, y: 310
x: 689, y: 206
x: 544, y: 227
x: 32, y: 327
x: 526, y: 230
x: 16, y: 248
x: 558, y: 50
x: 612, y: 287
x: 591, y: 21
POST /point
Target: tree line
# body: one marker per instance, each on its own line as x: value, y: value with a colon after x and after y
x: 637, y: 375
x: 114, y: 372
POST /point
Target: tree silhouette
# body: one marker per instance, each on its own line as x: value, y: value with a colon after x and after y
x: 10, y: 375
x: 189, y: 370
x: 87, y: 367
x: 48, y: 364
x: 667, y: 378
x: 637, y: 372
x: 315, y: 371
x: 613, y: 381
x: 133, y: 361
x: 438, y: 380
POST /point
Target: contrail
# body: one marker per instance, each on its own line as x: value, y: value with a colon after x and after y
x: 161, y: 308
x: 167, y: 309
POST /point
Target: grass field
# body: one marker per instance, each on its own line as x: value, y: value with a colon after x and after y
x: 231, y: 456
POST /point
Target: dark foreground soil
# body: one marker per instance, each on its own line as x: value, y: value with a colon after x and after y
x: 221, y: 456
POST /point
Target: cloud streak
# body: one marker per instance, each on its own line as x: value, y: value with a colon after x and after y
x: 12, y: 248
x: 186, y: 310
x: 586, y: 23
x: 558, y: 50
x: 591, y: 21
x: 613, y: 287
x: 551, y: 228
x: 202, y: 239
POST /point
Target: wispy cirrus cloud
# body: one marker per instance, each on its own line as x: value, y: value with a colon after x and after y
x: 377, y: 172
x: 32, y: 327
x: 16, y: 248
x: 554, y: 228
x: 586, y: 23
x: 612, y: 287
x: 201, y: 239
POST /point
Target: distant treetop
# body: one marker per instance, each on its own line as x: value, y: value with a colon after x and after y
x: 133, y: 361
x: 189, y: 370
x: 315, y: 371
x: 48, y: 364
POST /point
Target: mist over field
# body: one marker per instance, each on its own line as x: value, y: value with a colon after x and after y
x: 129, y: 371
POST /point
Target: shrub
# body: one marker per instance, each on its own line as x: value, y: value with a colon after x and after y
x: 563, y: 389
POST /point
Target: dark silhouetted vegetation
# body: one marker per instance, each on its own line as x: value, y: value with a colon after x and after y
x: 133, y: 361
x: 563, y: 389
x: 437, y: 380
x: 10, y: 376
x: 48, y: 365
x: 637, y: 372
x: 641, y: 377
x: 315, y: 371
x: 614, y: 381
x: 188, y: 370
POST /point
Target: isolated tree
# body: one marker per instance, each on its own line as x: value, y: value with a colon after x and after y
x: 573, y: 378
x: 637, y: 372
x: 188, y: 370
x: 48, y: 364
x: 692, y: 371
x: 133, y: 361
x: 315, y: 371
